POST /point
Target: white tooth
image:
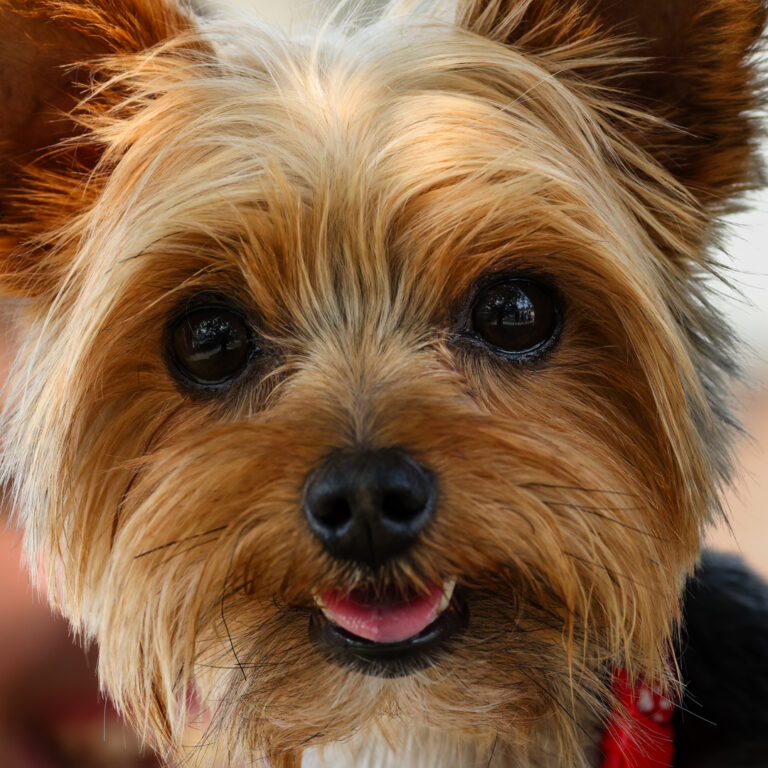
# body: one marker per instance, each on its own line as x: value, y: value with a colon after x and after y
x: 445, y: 601
x: 323, y: 609
x: 327, y: 615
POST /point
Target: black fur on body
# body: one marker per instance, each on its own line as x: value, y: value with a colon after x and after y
x: 723, y: 719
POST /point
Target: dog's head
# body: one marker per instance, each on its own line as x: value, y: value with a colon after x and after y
x: 370, y: 379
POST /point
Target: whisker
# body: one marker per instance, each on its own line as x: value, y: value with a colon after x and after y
x: 589, y: 507
x: 231, y: 642
x: 319, y: 733
x: 612, y: 572
x: 597, y: 512
x: 181, y: 553
x: 135, y: 474
x: 580, y: 488
x: 560, y: 706
x: 687, y: 711
x: 493, y: 750
x: 253, y: 665
x: 223, y: 600
x: 181, y: 541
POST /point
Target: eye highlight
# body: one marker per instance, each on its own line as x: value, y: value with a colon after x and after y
x: 210, y: 346
x: 517, y: 317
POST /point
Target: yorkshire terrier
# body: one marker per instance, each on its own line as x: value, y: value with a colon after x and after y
x: 371, y: 405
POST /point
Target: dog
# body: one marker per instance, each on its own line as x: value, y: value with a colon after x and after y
x: 371, y: 405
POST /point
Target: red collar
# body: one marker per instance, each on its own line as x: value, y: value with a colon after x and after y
x: 639, y: 733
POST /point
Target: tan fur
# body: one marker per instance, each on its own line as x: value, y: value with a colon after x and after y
x: 352, y: 190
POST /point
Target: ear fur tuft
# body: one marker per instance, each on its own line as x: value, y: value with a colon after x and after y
x: 698, y: 73
x: 49, y: 54
x: 41, y: 40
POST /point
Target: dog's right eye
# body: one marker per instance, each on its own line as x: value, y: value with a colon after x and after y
x: 211, y: 346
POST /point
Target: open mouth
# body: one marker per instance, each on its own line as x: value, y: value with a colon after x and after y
x: 387, y: 635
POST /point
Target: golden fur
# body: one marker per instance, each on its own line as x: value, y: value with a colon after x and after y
x: 351, y: 189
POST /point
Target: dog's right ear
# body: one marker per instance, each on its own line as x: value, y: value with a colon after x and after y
x: 49, y: 54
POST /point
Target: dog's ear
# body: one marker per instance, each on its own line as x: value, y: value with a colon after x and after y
x: 46, y: 47
x: 697, y: 72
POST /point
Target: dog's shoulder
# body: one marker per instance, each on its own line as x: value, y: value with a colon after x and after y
x: 723, y: 720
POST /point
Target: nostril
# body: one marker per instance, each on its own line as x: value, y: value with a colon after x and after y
x: 402, y: 506
x: 334, y: 512
x: 369, y: 506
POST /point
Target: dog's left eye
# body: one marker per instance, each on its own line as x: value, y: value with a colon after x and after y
x: 517, y: 317
x: 211, y: 346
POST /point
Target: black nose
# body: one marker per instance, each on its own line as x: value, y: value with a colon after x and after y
x: 369, y: 507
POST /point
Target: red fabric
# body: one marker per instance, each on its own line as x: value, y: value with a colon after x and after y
x: 639, y: 734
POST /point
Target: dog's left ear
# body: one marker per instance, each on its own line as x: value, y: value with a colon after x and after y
x: 698, y: 72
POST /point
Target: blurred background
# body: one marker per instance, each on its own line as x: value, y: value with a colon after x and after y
x: 51, y: 712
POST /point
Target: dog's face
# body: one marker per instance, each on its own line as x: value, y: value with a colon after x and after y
x: 370, y: 381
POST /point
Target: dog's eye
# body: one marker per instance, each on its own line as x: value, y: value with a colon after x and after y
x: 518, y: 317
x: 211, y: 345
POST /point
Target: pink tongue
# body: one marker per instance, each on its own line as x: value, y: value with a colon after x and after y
x: 383, y: 622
